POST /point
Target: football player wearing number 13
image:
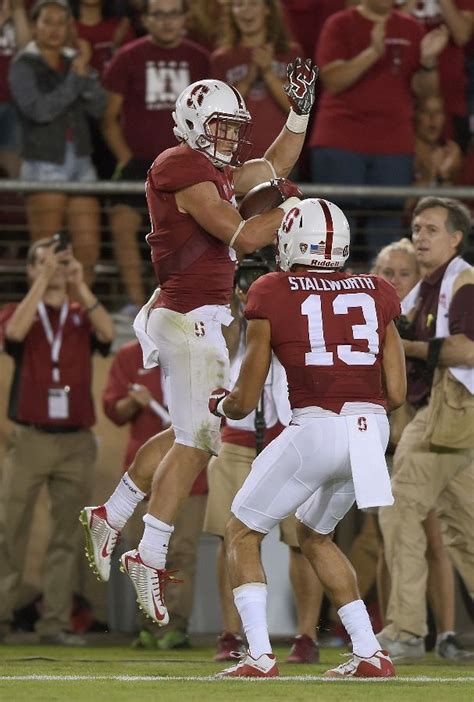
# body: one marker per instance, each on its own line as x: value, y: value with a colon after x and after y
x: 191, y: 192
x: 335, y: 336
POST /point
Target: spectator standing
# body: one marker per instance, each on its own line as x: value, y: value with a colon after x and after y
x: 204, y: 22
x: 104, y: 34
x: 55, y: 90
x: 15, y: 33
x: 438, y: 161
x: 144, y: 79
x: 434, y: 459
x: 253, y: 55
x: 136, y: 396
x: 306, y: 19
x: 458, y: 17
x: 51, y: 338
x: 372, y: 59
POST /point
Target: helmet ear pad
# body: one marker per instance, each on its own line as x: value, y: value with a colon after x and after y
x: 314, y: 233
x: 209, y: 101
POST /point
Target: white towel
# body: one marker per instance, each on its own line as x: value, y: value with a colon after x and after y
x: 463, y: 374
x: 369, y: 468
x: 149, y: 349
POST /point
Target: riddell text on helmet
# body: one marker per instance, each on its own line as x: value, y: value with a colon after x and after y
x: 325, y: 264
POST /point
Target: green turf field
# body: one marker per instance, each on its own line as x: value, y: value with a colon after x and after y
x: 119, y: 674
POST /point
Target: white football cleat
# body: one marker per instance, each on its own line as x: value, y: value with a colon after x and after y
x: 377, y: 666
x: 149, y: 584
x: 262, y: 667
x: 101, y: 539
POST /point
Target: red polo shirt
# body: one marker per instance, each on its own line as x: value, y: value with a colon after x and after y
x: 32, y: 379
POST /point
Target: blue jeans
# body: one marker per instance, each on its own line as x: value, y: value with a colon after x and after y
x: 74, y: 168
x: 344, y: 167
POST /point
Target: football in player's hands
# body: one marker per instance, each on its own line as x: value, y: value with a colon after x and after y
x: 268, y: 195
x: 216, y: 397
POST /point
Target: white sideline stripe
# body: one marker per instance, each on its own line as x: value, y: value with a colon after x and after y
x: 212, y: 678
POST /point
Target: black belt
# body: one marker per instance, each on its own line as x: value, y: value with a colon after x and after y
x: 52, y: 428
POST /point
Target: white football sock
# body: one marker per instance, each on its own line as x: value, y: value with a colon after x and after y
x: 251, y: 602
x: 153, y: 548
x: 356, y: 621
x: 122, y: 503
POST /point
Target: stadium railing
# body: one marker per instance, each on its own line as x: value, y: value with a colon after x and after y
x: 14, y: 236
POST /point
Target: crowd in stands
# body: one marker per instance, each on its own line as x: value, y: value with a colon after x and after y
x: 100, y: 99
x: 87, y: 91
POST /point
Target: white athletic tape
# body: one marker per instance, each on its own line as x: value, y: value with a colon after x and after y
x: 296, y: 123
x: 236, y: 233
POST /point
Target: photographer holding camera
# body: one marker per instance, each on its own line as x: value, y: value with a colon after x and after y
x: 242, y: 441
x: 434, y: 459
x: 51, y: 339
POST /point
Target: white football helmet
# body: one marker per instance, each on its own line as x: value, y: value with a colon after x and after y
x: 213, y: 101
x: 314, y: 233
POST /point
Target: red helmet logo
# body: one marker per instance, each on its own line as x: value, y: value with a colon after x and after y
x: 290, y: 219
x: 198, y: 93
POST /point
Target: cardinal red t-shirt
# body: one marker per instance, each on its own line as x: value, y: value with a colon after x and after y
x: 374, y: 115
x: 306, y: 18
x: 150, y: 78
x: 232, y: 66
x: 101, y: 38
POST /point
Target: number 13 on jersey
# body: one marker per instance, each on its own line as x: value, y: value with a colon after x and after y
x: 319, y: 355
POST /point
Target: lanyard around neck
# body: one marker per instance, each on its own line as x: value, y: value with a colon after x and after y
x: 55, y: 340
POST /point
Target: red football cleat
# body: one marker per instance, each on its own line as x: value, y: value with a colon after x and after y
x: 304, y: 650
x: 377, y: 666
x: 262, y: 667
x: 227, y: 644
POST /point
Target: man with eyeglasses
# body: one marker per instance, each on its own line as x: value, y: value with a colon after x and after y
x: 143, y: 80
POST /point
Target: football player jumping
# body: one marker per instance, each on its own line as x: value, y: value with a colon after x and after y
x: 191, y: 192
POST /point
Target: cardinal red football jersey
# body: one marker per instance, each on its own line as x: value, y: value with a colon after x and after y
x: 193, y: 268
x: 327, y: 330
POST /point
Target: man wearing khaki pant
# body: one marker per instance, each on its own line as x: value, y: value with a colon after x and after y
x: 51, y: 339
x: 434, y: 461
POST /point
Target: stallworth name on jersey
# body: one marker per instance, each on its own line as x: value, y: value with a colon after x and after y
x: 323, y: 284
